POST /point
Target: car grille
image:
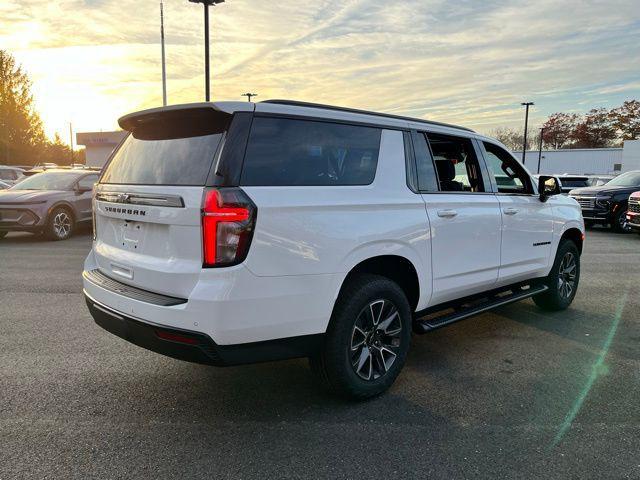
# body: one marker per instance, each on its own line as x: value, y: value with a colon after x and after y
x: 586, y: 202
x: 634, y: 205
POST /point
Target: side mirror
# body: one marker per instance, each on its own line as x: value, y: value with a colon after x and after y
x: 548, y: 186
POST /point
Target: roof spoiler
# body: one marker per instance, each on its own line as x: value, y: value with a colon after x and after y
x: 182, y: 121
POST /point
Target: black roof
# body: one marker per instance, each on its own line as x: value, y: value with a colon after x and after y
x: 296, y: 103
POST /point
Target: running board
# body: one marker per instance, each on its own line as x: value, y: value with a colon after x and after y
x: 474, y: 306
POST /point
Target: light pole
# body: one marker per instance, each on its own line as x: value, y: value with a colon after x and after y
x: 206, y: 4
x: 164, y: 70
x: 526, y: 124
x: 249, y: 95
x: 71, y: 140
x: 540, y: 148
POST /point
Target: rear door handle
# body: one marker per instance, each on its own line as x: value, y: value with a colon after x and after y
x: 510, y: 211
x: 447, y: 213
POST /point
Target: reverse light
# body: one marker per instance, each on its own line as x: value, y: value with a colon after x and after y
x: 228, y: 220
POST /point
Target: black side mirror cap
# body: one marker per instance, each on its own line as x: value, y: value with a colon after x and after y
x: 548, y: 186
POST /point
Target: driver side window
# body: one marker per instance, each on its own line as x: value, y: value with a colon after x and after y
x: 510, y: 177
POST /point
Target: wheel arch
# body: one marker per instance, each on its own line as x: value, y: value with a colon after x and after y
x: 397, y: 268
x: 575, y: 235
x: 64, y: 204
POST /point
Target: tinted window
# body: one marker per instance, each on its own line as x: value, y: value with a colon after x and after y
x: 174, y: 161
x: 304, y: 152
x: 427, y: 180
x: 509, y: 175
x: 456, y: 164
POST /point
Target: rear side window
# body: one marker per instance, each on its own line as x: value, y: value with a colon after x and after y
x: 287, y: 152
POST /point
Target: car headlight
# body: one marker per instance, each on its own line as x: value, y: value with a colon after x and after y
x: 603, y: 201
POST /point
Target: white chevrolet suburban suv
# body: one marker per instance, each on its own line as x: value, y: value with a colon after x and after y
x: 236, y: 232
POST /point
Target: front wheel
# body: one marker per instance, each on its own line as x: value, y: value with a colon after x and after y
x: 60, y: 224
x: 562, y: 281
x: 367, y: 340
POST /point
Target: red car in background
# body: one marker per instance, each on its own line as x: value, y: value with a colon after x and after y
x: 633, y: 212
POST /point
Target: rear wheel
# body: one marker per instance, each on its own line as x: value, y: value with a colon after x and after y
x: 563, y: 279
x: 60, y: 225
x: 620, y: 223
x: 367, y: 340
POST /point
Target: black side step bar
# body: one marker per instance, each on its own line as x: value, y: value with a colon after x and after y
x: 473, y: 306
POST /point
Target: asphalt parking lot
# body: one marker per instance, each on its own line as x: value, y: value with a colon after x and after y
x: 517, y: 393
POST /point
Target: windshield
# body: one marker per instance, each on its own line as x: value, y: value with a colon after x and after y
x: 47, y: 181
x: 629, y: 179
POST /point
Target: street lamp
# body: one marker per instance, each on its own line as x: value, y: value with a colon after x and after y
x: 526, y: 122
x: 206, y: 4
x: 249, y: 95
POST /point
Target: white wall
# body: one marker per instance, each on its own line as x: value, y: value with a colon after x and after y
x: 584, y: 161
x: 631, y: 155
x: 97, y: 154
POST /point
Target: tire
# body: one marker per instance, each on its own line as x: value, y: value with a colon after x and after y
x: 359, y: 361
x: 60, y: 224
x: 619, y: 223
x: 562, y: 280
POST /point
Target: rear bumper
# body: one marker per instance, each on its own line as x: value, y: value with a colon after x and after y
x: 198, y: 347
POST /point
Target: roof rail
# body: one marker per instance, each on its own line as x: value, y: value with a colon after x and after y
x: 296, y: 103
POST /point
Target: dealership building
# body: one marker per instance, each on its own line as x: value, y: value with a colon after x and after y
x: 99, y: 145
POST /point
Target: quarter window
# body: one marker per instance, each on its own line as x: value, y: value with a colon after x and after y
x: 304, y: 152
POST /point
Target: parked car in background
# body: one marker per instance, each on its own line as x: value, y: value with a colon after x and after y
x: 607, y: 204
x: 633, y: 212
x: 4, y: 185
x: 319, y: 232
x: 569, y: 182
x: 10, y: 174
x: 52, y: 203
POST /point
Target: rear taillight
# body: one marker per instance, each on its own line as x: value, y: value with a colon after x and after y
x: 228, y: 220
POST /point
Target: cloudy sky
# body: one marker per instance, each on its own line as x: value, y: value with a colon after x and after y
x: 462, y: 61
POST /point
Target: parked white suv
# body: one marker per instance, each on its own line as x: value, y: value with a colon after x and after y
x: 228, y: 233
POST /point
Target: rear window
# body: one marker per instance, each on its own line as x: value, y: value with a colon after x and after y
x: 286, y: 152
x: 176, y: 161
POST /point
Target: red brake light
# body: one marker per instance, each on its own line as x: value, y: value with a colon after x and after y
x: 228, y: 218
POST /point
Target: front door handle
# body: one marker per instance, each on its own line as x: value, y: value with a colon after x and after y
x: 510, y: 211
x: 447, y: 213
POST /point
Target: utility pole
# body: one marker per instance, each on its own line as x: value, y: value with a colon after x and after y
x: 164, y: 71
x: 206, y: 3
x: 71, y: 140
x: 540, y: 148
x: 249, y: 95
x: 526, y: 124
